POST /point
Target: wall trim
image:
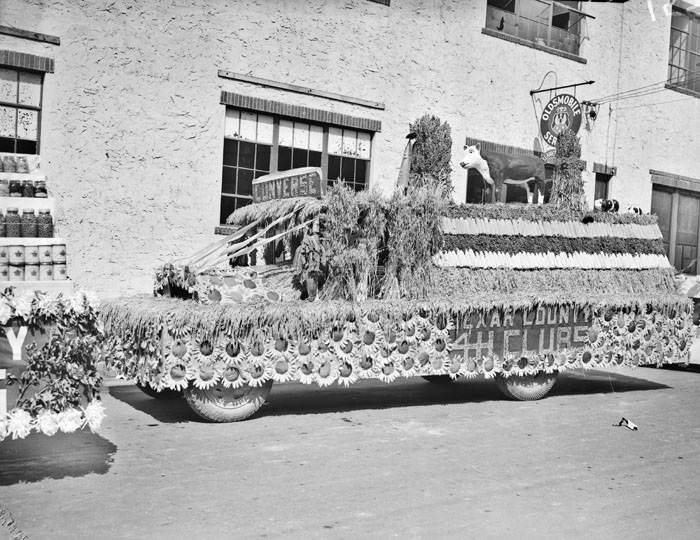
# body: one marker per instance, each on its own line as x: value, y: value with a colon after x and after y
x: 278, y: 108
x: 674, y: 181
x: 604, y: 169
x: 30, y: 62
x: 29, y: 34
x: 299, y: 89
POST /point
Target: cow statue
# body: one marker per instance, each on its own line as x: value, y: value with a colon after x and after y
x: 499, y: 169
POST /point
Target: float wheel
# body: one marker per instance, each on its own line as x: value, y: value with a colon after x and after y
x: 526, y: 387
x: 167, y: 393
x: 220, y: 404
x: 439, y: 379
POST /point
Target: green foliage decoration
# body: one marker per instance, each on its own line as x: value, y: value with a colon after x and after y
x: 353, y: 228
x: 414, y: 236
x: 432, y: 150
x: 567, y: 188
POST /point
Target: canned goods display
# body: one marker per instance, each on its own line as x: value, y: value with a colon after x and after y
x: 4, y: 254
x: 31, y: 272
x: 45, y: 272
x: 60, y: 272
x: 16, y: 273
x: 31, y: 254
x: 15, y: 254
x: 58, y: 253
x: 4, y: 272
x: 45, y: 254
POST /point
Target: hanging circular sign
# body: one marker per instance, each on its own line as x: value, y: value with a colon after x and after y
x: 562, y: 112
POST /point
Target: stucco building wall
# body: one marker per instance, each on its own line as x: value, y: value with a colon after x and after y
x: 132, y: 129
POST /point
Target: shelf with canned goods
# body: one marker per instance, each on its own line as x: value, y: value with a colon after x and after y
x: 12, y: 163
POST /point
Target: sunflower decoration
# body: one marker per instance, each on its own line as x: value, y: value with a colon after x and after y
x: 201, y: 351
x: 521, y: 366
x: 388, y: 371
x: 489, y: 365
x: 549, y: 363
x: 232, y: 376
x: 307, y: 370
x: 468, y: 367
x: 573, y: 359
x: 339, y: 333
x: 409, y: 330
x: 455, y: 366
x: 283, y: 369
x: 179, y: 348
x: 508, y: 363
x: 439, y: 363
x: 440, y: 345
x: 327, y: 370
x: 259, y: 370
x: 368, y: 366
x: 425, y: 331
x: 585, y: 359
x: 404, y: 348
x: 347, y: 349
x: 422, y: 359
x: 444, y: 324
x: 371, y: 321
x: 596, y: 335
x: 370, y: 340
x: 407, y: 365
x: 175, y: 374
x: 206, y: 374
x: 561, y: 359
x: 348, y: 372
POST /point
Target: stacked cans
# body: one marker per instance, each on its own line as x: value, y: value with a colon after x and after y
x: 42, y: 262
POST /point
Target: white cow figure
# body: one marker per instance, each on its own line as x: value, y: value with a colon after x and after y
x: 498, y: 169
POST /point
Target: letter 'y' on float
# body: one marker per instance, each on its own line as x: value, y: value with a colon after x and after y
x: 16, y: 341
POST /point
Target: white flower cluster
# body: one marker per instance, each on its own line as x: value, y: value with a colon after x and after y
x: 21, y: 306
x: 18, y: 423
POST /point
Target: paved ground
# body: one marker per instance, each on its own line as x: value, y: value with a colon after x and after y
x: 406, y: 460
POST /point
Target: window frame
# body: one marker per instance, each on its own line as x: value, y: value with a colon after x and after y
x: 275, y: 146
x: 18, y: 106
x: 542, y: 43
x: 686, y: 52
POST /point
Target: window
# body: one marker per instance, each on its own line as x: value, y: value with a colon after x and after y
x: 257, y: 144
x: 556, y: 24
x: 684, y: 54
x: 20, y: 110
x: 679, y: 221
x: 602, y: 184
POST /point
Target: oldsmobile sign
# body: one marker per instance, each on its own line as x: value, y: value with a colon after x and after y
x: 562, y: 112
x: 302, y: 182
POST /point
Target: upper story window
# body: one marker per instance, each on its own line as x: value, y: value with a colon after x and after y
x: 555, y: 24
x: 684, y: 54
x: 256, y: 144
x: 20, y: 110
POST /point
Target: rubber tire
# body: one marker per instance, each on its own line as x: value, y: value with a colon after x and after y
x: 214, y: 404
x: 439, y: 379
x: 528, y: 387
x: 163, y: 394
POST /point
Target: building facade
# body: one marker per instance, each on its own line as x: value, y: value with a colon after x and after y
x: 152, y: 117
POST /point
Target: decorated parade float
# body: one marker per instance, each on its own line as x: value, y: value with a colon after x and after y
x: 323, y: 285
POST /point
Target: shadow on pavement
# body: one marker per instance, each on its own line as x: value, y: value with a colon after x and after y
x: 295, y: 398
x: 168, y: 411
x: 65, y: 454
x: 301, y: 399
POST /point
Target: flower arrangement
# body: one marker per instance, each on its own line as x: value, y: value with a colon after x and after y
x: 59, y: 388
x: 309, y: 263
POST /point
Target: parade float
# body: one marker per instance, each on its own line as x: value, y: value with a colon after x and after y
x: 322, y: 285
